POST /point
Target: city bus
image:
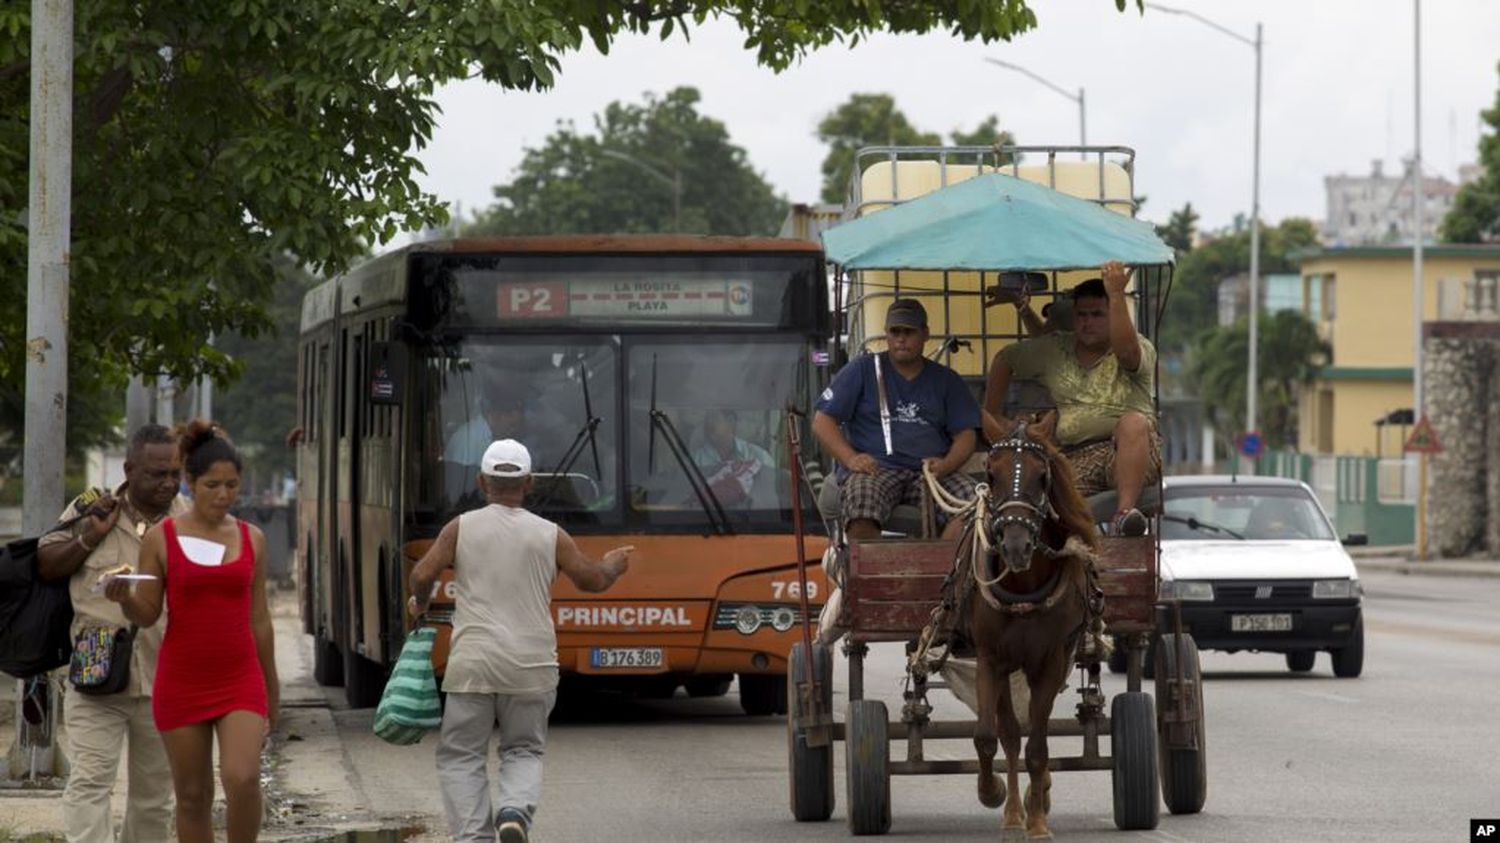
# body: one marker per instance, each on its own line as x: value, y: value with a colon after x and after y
x: 651, y: 378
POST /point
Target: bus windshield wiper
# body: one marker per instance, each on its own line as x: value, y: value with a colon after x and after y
x: 585, y: 435
x: 1194, y: 524
x: 661, y: 421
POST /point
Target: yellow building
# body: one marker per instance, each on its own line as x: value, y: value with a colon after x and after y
x: 1361, y: 300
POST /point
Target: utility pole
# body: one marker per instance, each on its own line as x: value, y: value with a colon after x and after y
x: 48, y: 219
x: 1419, y: 407
x: 1083, y: 134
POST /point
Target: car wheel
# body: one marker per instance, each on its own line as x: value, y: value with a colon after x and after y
x: 1349, y: 660
x: 1301, y: 661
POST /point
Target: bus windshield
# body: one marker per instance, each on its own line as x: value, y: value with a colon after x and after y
x: 697, y: 443
x: 557, y: 396
x: 707, y: 431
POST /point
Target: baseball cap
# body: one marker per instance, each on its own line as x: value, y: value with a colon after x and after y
x: 906, y: 312
x: 506, y: 458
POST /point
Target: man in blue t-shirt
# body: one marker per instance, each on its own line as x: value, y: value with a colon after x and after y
x: 930, y: 418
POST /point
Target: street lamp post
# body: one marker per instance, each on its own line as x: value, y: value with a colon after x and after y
x: 1083, y: 135
x: 1252, y: 379
x: 673, y: 181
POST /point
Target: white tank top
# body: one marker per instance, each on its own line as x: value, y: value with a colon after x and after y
x: 503, y: 640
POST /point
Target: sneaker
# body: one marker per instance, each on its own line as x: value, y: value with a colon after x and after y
x: 1131, y: 523
x: 510, y: 826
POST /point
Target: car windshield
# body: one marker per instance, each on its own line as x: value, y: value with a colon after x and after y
x: 707, y: 431
x: 1242, y: 513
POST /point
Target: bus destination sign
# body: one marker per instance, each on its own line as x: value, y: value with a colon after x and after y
x: 624, y: 298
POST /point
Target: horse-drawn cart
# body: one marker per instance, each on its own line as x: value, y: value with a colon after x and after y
x: 950, y: 247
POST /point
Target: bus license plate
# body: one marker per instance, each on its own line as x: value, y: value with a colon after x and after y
x: 617, y: 657
x: 1260, y: 623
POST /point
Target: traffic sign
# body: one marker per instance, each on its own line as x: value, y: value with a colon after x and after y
x: 1251, y: 444
x: 1423, y: 439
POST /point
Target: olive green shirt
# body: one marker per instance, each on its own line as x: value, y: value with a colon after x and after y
x: 1089, y: 400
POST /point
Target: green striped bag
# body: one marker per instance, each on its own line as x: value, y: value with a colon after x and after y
x: 409, y: 707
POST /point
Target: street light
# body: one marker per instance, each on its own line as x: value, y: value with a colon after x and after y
x: 673, y: 181
x: 1083, y: 137
x: 1253, y: 374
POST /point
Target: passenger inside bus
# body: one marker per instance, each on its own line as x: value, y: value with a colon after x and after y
x: 502, y: 415
x: 731, y: 466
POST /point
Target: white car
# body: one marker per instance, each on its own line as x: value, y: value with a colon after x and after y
x: 1256, y: 565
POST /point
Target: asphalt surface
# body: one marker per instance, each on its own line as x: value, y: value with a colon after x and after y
x: 1407, y: 752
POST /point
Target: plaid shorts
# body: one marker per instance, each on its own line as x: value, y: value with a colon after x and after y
x: 1094, y: 465
x: 873, y: 496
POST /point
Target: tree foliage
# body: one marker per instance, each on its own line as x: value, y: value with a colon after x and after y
x: 210, y: 138
x: 1194, y: 304
x: 260, y: 407
x: 1181, y: 228
x: 1291, y: 353
x: 874, y: 120
x: 1475, y: 215
x: 623, y: 178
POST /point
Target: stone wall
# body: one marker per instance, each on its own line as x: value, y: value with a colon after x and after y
x: 1461, y: 379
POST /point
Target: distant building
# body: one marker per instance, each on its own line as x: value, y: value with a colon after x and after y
x: 1281, y: 291
x: 1376, y: 209
x: 1360, y: 299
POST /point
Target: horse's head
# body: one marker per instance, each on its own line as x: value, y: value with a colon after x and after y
x: 1020, y: 496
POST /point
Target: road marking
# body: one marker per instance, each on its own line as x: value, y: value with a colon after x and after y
x: 1328, y: 695
x: 1464, y: 636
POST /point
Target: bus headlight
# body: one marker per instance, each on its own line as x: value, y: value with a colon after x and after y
x: 783, y: 618
x: 747, y: 619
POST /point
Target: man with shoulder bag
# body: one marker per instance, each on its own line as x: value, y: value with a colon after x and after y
x: 113, y: 665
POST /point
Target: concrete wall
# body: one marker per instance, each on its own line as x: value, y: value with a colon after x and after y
x: 1461, y: 374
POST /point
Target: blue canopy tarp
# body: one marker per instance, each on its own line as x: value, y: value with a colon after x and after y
x: 994, y: 222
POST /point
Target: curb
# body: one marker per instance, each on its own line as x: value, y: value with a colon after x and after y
x: 1434, y: 568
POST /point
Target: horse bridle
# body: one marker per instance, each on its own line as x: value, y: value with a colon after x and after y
x: 1033, y: 513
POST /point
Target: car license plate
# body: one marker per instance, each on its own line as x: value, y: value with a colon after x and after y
x: 617, y: 657
x: 1260, y: 623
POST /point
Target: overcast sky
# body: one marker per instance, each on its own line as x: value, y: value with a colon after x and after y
x: 1337, y: 94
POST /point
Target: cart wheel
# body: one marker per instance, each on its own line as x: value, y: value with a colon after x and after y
x: 867, y: 753
x: 1301, y: 661
x: 811, y: 786
x: 1349, y: 660
x: 1133, y: 743
x: 1184, y: 772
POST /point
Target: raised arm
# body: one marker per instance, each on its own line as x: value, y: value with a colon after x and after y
x: 438, y: 558
x: 992, y: 414
x: 141, y: 600
x: 1123, y: 340
x: 585, y: 573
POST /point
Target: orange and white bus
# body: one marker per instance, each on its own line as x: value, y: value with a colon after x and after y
x: 649, y: 376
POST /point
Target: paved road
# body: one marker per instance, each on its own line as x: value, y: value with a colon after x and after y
x: 1409, y: 751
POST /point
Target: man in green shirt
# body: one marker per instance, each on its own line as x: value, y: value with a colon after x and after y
x: 1101, y: 376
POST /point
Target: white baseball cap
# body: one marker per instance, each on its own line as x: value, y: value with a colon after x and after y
x: 506, y: 458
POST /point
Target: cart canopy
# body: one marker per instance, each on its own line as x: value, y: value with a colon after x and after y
x: 994, y: 222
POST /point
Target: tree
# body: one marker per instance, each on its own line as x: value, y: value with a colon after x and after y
x: 1180, y: 229
x: 1193, y: 307
x: 1291, y: 353
x: 873, y: 120
x: 212, y: 138
x: 260, y: 407
x: 601, y: 183
x: 1475, y: 215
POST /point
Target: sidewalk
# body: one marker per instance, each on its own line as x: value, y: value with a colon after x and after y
x: 1401, y: 559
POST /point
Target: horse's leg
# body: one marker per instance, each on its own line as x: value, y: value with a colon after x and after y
x: 991, y: 791
x: 1044, y: 689
x: 1010, y: 740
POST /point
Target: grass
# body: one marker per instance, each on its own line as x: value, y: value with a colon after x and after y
x: 9, y: 836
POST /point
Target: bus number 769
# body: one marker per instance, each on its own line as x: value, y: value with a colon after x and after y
x: 792, y: 590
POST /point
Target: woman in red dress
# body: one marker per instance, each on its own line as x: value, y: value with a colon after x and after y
x: 216, y: 676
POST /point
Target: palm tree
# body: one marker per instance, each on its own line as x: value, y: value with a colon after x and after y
x: 1291, y: 355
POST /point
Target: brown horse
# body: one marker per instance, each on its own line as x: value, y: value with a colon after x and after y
x: 1035, y: 593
